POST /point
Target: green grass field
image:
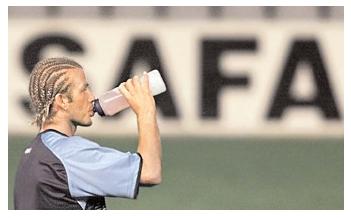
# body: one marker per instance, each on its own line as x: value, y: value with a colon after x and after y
x: 217, y: 173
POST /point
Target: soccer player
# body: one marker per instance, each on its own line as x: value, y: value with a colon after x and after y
x: 60, y: 170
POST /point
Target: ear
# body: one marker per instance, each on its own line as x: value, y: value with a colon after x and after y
x: 61, y: 101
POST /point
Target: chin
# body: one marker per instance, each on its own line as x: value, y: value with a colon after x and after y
x: 88, y: 123
x: 80, y: 123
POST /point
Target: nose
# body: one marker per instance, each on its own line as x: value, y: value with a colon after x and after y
x: 91, y: 96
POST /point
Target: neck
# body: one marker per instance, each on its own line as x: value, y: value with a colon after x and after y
x: 65, y: 127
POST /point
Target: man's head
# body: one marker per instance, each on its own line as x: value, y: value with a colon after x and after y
x: 59, y: 92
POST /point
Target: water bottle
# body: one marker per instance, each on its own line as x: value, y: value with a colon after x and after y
x: 113, y: 101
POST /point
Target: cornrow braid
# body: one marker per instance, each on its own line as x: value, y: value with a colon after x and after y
x: 48, y: 78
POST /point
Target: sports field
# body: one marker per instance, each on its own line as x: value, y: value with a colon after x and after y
x: 217, y: 173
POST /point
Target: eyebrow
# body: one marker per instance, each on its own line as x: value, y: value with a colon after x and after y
x: 86, y: 85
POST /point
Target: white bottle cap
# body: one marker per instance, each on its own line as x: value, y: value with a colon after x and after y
x: 156, y: 83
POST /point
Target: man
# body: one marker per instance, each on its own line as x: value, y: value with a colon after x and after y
x: 59, y: 170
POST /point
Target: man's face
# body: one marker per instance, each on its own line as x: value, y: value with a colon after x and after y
x: 80, y: 109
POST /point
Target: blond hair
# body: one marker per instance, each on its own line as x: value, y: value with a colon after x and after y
x: 48, y: 78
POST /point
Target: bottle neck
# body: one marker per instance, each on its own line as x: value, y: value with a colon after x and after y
x: 97, y: 107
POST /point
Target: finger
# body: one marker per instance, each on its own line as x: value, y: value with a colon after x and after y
x: 136, y: 83
x: 145, y: 82
x: 124, y: 91
x: 130, y: 87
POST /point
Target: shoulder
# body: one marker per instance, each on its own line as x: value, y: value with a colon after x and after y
x: 80, y: 141
x: 57, y: 142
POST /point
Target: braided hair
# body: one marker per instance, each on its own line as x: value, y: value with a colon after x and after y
x: 48, y: 78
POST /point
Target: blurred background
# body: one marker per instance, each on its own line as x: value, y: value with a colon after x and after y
x: 253, y: 114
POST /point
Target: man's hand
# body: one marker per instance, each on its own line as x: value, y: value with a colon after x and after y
x: 139, y: 96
